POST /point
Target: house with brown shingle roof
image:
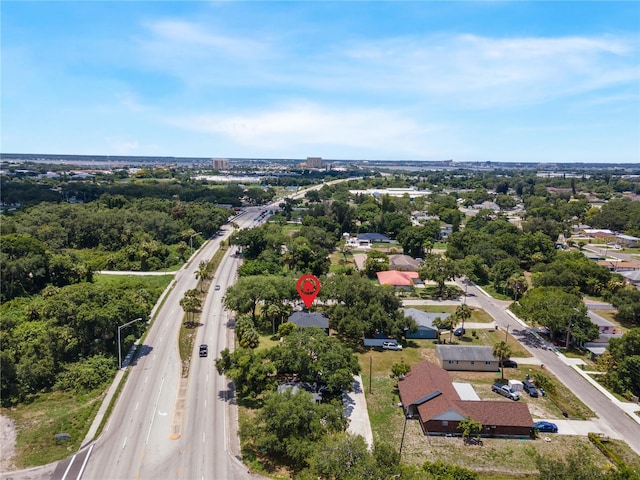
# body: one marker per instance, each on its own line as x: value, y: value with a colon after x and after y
x: 428, y: 395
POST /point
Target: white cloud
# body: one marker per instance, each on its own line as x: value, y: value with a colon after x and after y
x: 299, y: 125
x: 121, y: 146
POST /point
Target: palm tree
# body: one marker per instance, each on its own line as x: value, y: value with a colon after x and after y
x: 202, y: 273
x: 463, y: 312
x: 502, y: 350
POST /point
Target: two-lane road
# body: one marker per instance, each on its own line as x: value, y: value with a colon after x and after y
x: 615, y: 418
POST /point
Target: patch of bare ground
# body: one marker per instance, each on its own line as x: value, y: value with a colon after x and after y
x: 8, y: 435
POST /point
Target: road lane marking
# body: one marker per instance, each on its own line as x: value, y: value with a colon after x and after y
x: 84, y: 464
x: 155, y: 407
x: 68, y: 467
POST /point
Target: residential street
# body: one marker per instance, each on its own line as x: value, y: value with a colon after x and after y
x: 608, y: 409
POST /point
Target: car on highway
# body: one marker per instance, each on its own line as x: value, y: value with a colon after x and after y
x: 546, y: 427
x: 204, y: 350
x: 459, y: 332
x: 391, y: 346
x: 509, y: 364
x: 217, y: 287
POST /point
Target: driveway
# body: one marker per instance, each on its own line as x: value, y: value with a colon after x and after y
x: 355, y: 409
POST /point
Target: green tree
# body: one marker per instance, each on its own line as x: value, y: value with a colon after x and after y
x: 463, y: 313
x: 559, y: 311
x: 313, y: 356
x: 191, y: 304
x: 439, y: 269
x: 376, y: 262
x: 202, y: 273
x: 399, y: 370
x: 502, y: 350
x: 250, y: 370
x: 342, y: 456
x: 469, y: 428
x: 290, y: 426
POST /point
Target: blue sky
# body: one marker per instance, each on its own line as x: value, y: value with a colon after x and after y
x: 542, y: 81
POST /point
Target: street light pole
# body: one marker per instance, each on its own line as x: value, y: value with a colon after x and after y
x: 119, y: 346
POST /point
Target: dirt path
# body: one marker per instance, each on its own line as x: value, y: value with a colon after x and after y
x: 7, y: 444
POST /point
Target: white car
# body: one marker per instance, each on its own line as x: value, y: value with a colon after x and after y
x: 391, y: 346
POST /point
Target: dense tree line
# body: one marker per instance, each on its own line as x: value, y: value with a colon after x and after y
x: 66, y: 337
x: 574, y: 272
x: 41, y: 244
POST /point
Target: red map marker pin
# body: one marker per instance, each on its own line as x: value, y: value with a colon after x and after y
x: 308, y: 287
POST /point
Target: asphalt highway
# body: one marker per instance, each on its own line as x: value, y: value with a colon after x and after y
x: 164, y: 426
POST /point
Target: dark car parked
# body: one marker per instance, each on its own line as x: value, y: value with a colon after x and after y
x: 509, y: 364
x: 458, y: 332
x: 530, y: 388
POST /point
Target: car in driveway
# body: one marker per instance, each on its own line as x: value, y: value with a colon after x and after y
x: 509, y: 364
x: 459, y: 332
x: 204, y: 350
x: 530, y: 388
x: 391, y: 346
x: 546, y: 427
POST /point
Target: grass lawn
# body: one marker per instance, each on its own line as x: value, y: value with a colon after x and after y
x: 494, y: 293
x: 497, y: 459
x: 478, y: 315
x: 154, y: 282
x: 50, y: 413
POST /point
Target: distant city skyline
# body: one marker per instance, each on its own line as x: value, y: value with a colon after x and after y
x: 479, y: 81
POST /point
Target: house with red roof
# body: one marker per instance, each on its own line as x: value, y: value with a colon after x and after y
x: 396, y: 278
x: 428, y: 395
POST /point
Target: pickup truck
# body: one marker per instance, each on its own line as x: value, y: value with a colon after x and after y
x: 505, y: 391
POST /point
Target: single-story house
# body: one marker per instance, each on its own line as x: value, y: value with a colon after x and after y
x: 426, y: 329
x: 632, y: 277
x: 308, y: 320
x: 397, y: 279
x: 619, y: 265
x: 446, y: 230
x: 604, y: 325
x: 404, y: 263
x: 602, y: 233
x: 627, y: 240
x: 373, y: 237
x: 427, y: 394
x: 295, y: 387
x: 476, y: 358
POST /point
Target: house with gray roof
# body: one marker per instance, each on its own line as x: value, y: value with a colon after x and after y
x: 471, y: 358
x: 426, y: 329
x: 604, y: 326
x: 310, y: 320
